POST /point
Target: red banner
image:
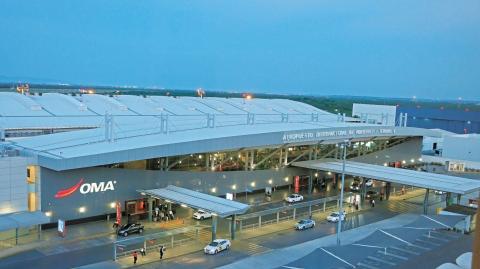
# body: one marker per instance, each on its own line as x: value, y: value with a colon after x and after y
x: 296, y: 184
x: 119, y: 213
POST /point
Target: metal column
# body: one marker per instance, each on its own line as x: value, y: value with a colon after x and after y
x: 214, y: 227
x: 459, y: 197
x: 310, y: 182
x: 150, y: 206
x: 388, y: 187
x: 425, y: 202
x: 233, y: 227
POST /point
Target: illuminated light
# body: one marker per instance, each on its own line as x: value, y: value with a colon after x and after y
x: 48, y: 213
x: 183, y: 205
x: 404, y: 162
x: 270, y: 181
x: 329, y: 173
x: 168, y: 201
x: 112, y: 205
x: 213, y: 168
x: 290, y: 149
x: 412, y: 160
x: 214, y: 159
x: 214, y: 189
x: 82, y: 209
x: 199, y: 156
x: 234, y: 187
x: 316, y: 174
x: 231, y: 158
x: 252, y: 184
x: 180, y: 162
x: 286, y: 179
x: 214, y: 214
x: 385, y: 164
x: 420, y: 159
x: 239, y: 155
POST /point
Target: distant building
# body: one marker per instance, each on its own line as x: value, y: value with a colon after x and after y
x: 375, y: 114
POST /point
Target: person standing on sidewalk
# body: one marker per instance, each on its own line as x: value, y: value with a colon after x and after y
x: 162, y: 249
x: 135, y: 257
x: 373, y: 203
x: 142, y: 251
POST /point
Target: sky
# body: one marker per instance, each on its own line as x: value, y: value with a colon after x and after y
x: 427, y: 49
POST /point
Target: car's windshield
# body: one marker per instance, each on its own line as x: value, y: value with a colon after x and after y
x: 200, y: 212
x: 292, y: 196
x: 302, y: 221
x: 213, y: 244
x: 334, y: 214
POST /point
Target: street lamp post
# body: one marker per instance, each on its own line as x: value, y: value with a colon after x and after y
x: 342, y: 186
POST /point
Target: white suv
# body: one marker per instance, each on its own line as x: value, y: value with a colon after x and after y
x: 292, y: 198
x: 201, y: 215
x: 335, y: 216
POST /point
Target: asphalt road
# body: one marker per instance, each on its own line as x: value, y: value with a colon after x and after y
x: 103, y: 251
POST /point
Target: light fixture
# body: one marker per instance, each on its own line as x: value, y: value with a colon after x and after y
x: 48, y: 213
x: 412, y: 160
x: 234, y: 187
x: 329, y: 173
x: 82, y: 209
x: 112, y: 205
x: 199, y: 156
x: 252, y: 184
x: 286, y: 179
x: 183, y: 205
x: 167, y: 201
x: 385, y: 164
x: 270, y: 181
x: 316, y: 174
x: 404, y: 162
x: 214, y: 189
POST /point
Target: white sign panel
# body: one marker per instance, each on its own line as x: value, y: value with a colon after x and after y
x: 61, y: 226
x: 315, y: 135
x: 229, y: 196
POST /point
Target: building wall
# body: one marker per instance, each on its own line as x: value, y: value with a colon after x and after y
x: 374, y: 113
x: 13, y: 185
x: 128, y: 181
x: 462, y: 147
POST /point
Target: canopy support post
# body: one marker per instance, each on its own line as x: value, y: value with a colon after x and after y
x: 233, y: 226
x: 425, y: 202
x: 214, y: 227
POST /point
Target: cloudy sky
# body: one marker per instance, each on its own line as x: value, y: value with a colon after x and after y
x: 428, y: 49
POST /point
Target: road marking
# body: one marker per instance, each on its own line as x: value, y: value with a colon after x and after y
x: 335, y: 256
x: 290, y: 267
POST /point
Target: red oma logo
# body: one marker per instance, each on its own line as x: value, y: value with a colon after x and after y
x: 86, y: 188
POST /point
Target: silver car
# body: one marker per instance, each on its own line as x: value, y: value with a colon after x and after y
x: 305, y: 224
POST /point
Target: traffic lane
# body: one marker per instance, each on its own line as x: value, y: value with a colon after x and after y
x: 321, y: 229
x: 199, y: 260
x: 63, y: 260
x: 285, y: 213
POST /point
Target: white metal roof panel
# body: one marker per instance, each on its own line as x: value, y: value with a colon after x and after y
x: 219, y: 206
x: 14, y: 104
x: 426, y: 180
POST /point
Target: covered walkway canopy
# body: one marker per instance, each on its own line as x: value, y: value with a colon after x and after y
x: 458, y: 185
x: 16, y: 221
x: 217, y: 206
x: 22, y: 220
x: 194, y: 199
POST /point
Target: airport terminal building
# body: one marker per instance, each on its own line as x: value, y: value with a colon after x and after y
x: 73, y: 157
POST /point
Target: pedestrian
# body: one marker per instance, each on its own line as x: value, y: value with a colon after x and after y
x: 135, y: 257
x: 162, y: 249
x: 356, y: 205
x: 373, y: 203
x: 142, y: 251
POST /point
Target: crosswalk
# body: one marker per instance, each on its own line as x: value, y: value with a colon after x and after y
x: 403, y: 207
x: 254, y: 249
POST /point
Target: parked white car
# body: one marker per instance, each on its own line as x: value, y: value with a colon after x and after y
x: 335, y: 216
x: 292, y: 198
x: 305, y: 224
x: 201, y: 215
x: 217, y: 245
x: 439, y: 192
x: 369, y: 183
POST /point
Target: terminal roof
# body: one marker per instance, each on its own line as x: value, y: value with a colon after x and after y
x: 453, y: 184
x: 213, y: 204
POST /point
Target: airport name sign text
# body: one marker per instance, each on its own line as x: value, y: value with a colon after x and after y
x: 313, y: 135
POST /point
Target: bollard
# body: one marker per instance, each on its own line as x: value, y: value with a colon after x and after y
x: 259, y: 221
x: 294, y: 212
x: 172, y: 241
x: 278, y: 217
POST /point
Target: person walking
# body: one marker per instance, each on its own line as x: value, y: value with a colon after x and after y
x: 162, y: 249
x: 142, y: 251
x: 135, y: 257
x: 373, y: 203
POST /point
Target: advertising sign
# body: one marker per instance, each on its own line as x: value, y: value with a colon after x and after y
x: 119, y: 214
x: 86, y: 188
x: 61, y: 228
x: 296, y: 184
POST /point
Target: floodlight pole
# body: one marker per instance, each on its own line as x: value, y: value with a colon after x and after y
x: 342, y: 186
